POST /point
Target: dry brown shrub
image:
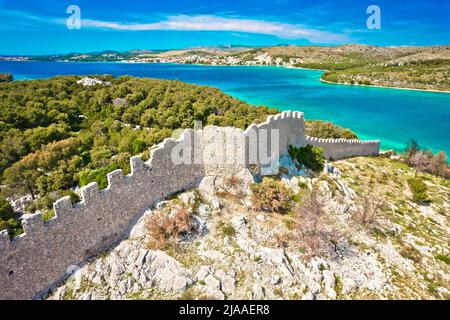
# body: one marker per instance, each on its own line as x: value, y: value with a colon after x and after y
x: 313, y: 230
x: 232, y: 190
x: 233, y: 182
x: 282, y: 240
x: 426, y: 161
x: 369, y: 210
x: 163, y: 227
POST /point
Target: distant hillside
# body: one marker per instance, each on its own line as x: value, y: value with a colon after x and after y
x: 426, y: 68
x: 405, y: 67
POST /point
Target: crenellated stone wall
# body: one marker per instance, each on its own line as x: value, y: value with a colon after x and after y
x: 39, y: 258
x: 33, y: 261
x: 342, y: 148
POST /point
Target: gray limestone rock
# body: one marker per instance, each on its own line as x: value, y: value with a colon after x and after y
x: 212, y: 283
x: 203, y: 273
x: 308, y: 296
x: 258, y: 292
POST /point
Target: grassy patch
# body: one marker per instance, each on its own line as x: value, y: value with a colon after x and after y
x: 338, y: 286
x: 443, y: 258
x: 228, y: 230
x: 411, y: 254
x: 419, y: 189
x: 48, y: 215
x: 290, y: 224
x: 309, y: 156
x: 278, y: 292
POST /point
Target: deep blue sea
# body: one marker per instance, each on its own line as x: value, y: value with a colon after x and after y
x: 392, y: 115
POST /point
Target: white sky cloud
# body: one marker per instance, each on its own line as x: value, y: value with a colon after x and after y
x: 216, y: 23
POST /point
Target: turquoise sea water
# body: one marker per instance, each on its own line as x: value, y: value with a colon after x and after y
x: 394, y: 116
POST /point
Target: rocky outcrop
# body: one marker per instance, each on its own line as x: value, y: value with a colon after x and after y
x: 249, y: 262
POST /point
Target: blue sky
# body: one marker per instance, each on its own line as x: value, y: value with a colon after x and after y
x: 39, y: 27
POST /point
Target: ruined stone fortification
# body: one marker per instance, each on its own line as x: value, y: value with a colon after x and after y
x: 32, y: 262
x: 336, y: 149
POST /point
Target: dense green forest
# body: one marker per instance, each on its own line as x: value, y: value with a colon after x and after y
x: 50, y: 129
x: 56, y: 134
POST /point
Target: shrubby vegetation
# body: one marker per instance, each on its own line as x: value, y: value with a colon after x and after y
x: 45, y: 203
x: 309, y: 156
x: 369, y: 210
x: 6, y: 211
x: 99, y: 175
x: 227, y: 229
x: 419, y: 190
x: 425, y: 161
x: 427, y: 74
x: 328, y: 130
x: 346, y: 61
x: 8, y: 220
x: 165, y: 227
x: 305, y: 215
x: 271, y: 195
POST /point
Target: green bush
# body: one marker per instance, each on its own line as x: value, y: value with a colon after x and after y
x: 12, y: 225
x: 46, y: 203
x: 419, y: 189
x: 443, y: 258
x: 228, y: 230
x: 6, y: 210
x: 271, y: 195
x: 4, y: 225
x: 139, y: 146
x: 309, y: 156
x: 8, y: 220
x: 48, y: 215
x: 97, y: 175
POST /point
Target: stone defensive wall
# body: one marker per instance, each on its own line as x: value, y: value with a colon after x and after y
x: 336, y: 149
x: 48, y: 251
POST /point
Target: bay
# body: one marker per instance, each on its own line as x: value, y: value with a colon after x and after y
x: 391, y: 115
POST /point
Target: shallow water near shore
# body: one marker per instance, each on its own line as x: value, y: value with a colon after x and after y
x: 391, y: 115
